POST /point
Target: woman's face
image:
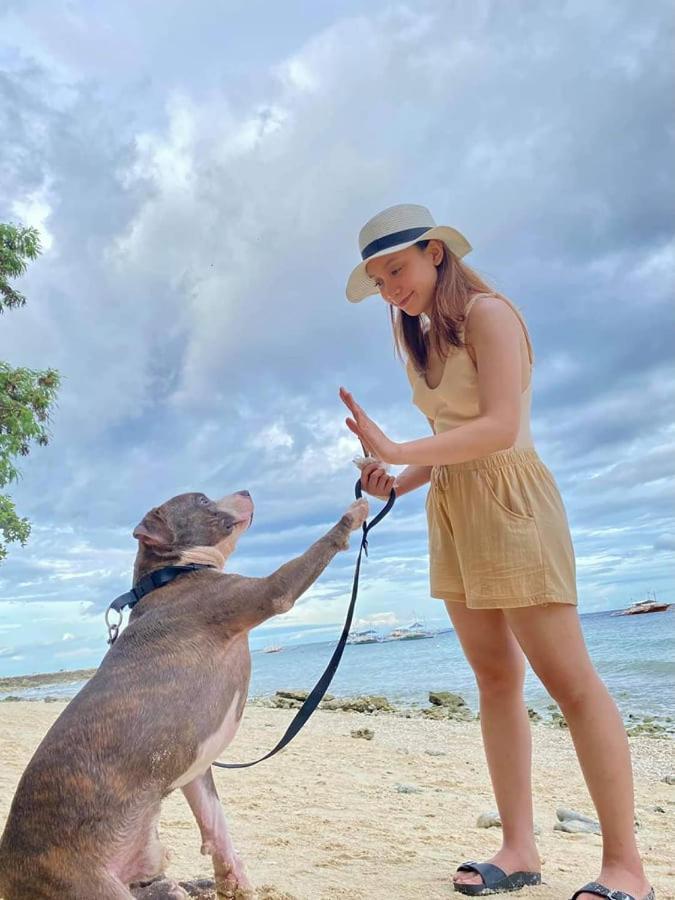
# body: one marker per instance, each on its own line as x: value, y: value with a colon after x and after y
x: 407, y: 279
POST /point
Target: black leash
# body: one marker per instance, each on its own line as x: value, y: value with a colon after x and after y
x: 316, y: 695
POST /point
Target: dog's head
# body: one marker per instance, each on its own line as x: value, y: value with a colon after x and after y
x: 193, y: 528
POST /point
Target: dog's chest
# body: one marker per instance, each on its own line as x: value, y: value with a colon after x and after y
x: 211, y: 748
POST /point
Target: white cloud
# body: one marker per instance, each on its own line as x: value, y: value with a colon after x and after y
x: 34, y: 210
x: 272, y: 438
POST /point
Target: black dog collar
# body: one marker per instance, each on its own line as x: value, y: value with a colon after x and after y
x: 150, y: 582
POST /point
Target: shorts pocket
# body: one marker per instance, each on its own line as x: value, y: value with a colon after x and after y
x: 503, y: 543
x: 508, y: 492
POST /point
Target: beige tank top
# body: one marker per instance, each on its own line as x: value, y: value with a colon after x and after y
x: 455, y: 401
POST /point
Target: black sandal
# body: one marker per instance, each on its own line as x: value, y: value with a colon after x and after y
x: 495, y: 880
x: 599, y: 890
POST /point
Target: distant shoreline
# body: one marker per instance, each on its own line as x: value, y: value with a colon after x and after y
x: 63, y: 677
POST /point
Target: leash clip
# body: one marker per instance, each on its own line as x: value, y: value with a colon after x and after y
x: 113, y: 627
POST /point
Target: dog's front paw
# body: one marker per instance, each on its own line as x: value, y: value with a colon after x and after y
x: 356, y: 514
x: 231, y: 887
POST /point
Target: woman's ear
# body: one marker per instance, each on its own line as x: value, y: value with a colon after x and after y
x: 154, y: 531
x: 436, y: 251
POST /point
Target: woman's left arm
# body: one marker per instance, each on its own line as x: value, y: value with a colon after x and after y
x: 495, y: 335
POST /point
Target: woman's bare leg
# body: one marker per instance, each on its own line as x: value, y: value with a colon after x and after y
x: 552, y: 640
x: 499, y: 666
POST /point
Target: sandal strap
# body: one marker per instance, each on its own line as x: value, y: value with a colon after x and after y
x: 487, y: 871
x: 601, y: 890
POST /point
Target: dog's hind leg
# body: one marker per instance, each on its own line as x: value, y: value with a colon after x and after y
x: 228, y: 868
x: 50, y: 886
x: 150, y: 860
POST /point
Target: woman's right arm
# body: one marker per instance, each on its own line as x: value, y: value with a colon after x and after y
x: 411, y: 478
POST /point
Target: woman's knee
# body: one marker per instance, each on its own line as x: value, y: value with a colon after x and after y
x: 491, y: 650
x: 501, y: 676
x: 572, y: 690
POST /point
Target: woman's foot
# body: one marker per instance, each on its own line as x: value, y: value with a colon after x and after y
x: 516, y: 860
x: 621, y: 879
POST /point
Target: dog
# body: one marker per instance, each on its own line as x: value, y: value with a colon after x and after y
x: 163, y: 705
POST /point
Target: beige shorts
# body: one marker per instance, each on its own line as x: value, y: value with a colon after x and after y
x: 498, y: 533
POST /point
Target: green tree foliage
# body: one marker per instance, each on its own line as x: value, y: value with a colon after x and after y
x: 25, y: 394
x: 16, y: 246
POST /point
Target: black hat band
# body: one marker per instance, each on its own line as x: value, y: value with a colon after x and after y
x: 392, y: 240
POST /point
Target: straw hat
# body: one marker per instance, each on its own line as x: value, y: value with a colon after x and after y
x: 395, y: 229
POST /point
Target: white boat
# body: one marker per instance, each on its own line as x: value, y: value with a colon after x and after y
x: 369, y: 636
x: 413, y: 632
x: 644, y: 606
x: 273, y: 648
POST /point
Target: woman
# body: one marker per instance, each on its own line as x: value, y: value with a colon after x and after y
x: 500, y: 552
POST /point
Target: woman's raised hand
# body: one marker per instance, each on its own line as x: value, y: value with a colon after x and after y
x: 372, y: 438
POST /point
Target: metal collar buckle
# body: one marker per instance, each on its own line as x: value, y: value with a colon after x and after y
x: 113, y: 627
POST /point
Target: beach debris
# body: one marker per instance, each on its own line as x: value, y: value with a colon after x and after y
x: 577, y: 826
x: 441, y: 712
x: 364, y: 704
x: 201, y: 888
x: 649, y: 726
x: 669, y: 779
x: 648, y: 729
x: 446, y: 698
x: 446, y: 705
x: 533, y: 714
x: 573, y: 826
x: 364, y: 733
x: 493, y: 820
x: 436, y: 752
x: 164, y: 888
x: 287, y: 699
x: 293, y: 695
x: 367, y: 703
x: 573, y: 822
x: 489, y: 820
x: 557, y: 718
x: 408, y: 789
x: 565, y: 814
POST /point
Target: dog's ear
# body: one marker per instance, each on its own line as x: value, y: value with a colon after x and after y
x: 154, y: 530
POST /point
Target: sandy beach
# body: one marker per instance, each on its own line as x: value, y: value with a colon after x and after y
x: 335, y: 816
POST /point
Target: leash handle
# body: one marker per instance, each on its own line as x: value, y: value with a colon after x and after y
x: 317, y: 693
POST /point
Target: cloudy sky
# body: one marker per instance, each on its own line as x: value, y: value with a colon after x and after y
x: 199, y: 173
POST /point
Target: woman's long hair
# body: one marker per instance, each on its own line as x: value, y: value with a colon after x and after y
x: 456, y: 283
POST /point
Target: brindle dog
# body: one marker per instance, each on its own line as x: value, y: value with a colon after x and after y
x: 162, y: 706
